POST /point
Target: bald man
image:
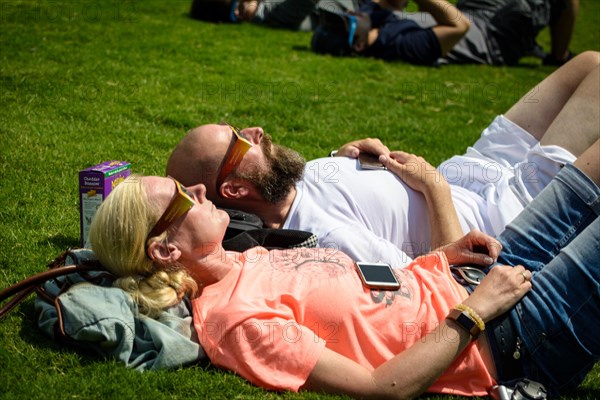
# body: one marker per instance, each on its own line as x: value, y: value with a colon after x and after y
x: 374, y: 215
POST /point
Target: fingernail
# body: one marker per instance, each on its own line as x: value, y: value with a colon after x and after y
x: 488, y: 260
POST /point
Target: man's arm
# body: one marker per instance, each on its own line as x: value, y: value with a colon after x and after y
x: 423, y: 177
x: 445, y: 226
x: 452, y: 24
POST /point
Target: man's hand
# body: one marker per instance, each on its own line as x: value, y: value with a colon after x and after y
x: 246, y: 9
x: 473, y: 248
x: 368, y: 145
x: 415, y: 171
x: 423, y: 177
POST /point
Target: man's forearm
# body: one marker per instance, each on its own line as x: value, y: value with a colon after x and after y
x: 445, y: 226
x: 444, y: 12
x: 421, y: 176
x: 452, y: 24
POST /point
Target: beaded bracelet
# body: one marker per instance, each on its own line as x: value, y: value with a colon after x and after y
x: 474, y: 316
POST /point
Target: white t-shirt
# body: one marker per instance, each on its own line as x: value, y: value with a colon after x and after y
x: 371, y: 215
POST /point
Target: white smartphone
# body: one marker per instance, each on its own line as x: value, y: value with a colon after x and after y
x: 369, y: 161
x: 377, y: 276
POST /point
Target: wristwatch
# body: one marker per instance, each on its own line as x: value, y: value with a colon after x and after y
x: 464, y: 320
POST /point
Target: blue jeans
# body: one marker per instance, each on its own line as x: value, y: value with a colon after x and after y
x: 557, y: 237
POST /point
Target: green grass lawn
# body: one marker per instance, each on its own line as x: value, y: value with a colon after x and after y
x: 83, y: 82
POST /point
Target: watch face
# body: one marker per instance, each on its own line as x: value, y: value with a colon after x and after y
x: 462, y: 319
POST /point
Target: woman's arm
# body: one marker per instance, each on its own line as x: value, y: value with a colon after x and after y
x: 413, y: 371
x: 405, y: 376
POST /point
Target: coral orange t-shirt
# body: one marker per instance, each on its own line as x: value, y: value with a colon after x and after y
x: 271, y: 316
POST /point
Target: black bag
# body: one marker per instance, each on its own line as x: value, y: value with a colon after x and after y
x: 240, y: 221
x: 246, y: 230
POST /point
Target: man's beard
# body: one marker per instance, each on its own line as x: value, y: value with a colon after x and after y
x: 285, y: 168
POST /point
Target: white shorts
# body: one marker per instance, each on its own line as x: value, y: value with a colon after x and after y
x: 507, y: 168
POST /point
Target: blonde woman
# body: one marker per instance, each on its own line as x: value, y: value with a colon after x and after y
x: 302, y: 319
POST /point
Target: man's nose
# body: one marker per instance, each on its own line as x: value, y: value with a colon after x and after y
x: 254, y: 134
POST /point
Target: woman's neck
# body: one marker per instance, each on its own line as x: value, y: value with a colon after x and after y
x: 210, y: 267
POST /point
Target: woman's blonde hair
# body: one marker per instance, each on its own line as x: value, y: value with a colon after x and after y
x: 118, y: 238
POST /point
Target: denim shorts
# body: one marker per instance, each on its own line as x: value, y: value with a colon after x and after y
x: 557, y: 237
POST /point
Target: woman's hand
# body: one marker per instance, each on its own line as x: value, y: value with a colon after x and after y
x: 414, y: 170
x: 474, y: 248
x: 368, y: 145
x: 499, y: 291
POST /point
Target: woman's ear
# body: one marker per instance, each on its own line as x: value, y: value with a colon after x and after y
x: 163, y: 253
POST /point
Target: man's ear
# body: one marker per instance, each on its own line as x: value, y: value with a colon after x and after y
x: 363, y: 30
x: 163, y: 253
x: 234, y: 189
x: 359, y: 45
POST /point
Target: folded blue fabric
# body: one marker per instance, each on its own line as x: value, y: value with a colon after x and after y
x: 106, y: 320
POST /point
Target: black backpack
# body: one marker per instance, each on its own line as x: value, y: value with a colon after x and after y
x: 247, y: 230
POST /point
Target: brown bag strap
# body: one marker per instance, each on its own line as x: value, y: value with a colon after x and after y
x: 21, y: 290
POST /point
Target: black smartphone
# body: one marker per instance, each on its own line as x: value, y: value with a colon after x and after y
x: 377, y: 276
x: 369, y: 161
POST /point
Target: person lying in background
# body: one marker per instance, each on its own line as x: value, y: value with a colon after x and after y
x: 287, y: 14
x: 498, y: 32
x: 302, y: 319
x: 375, y: 215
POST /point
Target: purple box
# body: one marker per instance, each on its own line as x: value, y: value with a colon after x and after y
x: 95, y: 183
